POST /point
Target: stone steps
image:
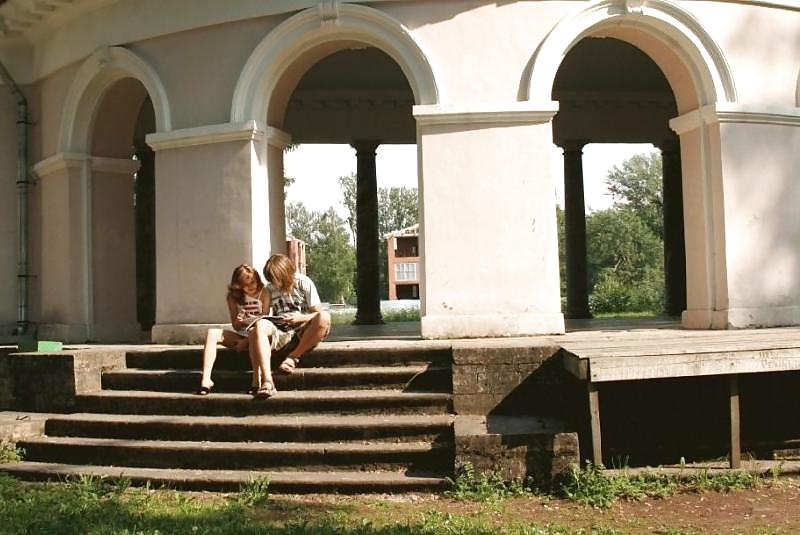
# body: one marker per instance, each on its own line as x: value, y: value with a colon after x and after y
x: 286, y: 402
x: 352, y: 418
x: 410, y: 378
x: 330, y: 355
x: 282, y: 456
x: 290, y: 428
x: 232, y: 480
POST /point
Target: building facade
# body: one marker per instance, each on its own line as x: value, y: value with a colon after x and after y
x: 402, y: 262
x: 155, y: 134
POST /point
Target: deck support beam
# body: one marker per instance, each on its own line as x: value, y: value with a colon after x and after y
x: 736, y: 456
x: 594, y: 414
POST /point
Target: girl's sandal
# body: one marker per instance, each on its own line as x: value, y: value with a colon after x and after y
x: 289, y: 364
x: 267, y: 390
x: 205, y: 390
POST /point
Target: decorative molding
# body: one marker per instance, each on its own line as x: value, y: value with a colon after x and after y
x: 103, y: 68
x: 493, y: 114
x: 121, y: 166
x: 278, y: 138
x: 206, y: 135
x: 663, y: 19
x: 305, y: 31
x: 329, y: 12
x: 61, y: 161
x: 734, y: 113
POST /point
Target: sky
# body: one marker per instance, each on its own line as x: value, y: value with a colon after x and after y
x: 316, y: 169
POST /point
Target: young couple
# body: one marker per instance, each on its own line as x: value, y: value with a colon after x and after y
x: 282, y: 317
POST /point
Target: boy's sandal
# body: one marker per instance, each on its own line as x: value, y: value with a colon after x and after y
x: 289, y: 364
x: 267, y: 390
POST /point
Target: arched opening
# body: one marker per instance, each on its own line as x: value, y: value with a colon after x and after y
x: 358, y: 98
x: 120, y: 184
x: 609, y: 91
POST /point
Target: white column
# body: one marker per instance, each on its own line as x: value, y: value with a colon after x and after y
x: 489, y: 240
x: 213, y: 212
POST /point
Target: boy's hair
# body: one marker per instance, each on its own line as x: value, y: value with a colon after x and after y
x: 280, y: 270
x: 243, y: 274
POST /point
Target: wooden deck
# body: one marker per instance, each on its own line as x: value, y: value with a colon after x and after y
x: 658, y: 352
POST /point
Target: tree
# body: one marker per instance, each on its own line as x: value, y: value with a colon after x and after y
x: 397, y: 208
x: 348, y: 184
x: 637, y: 184
x: 331, y: 258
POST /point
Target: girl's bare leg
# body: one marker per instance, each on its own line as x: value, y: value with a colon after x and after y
x: 213, y: 337
x: 261, y: 351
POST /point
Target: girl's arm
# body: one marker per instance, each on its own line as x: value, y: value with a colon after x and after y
x: 233, y: 311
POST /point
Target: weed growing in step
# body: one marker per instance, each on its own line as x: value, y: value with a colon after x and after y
x: 489, y: 486
x: 9, y: 453
x: 592, y: 486
x: 254, y: 493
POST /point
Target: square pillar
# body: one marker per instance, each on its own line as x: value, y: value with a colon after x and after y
x: 214, y: 211
x: 488, y: 228
x: 64, y: 267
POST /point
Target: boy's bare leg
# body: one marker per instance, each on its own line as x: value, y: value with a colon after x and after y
x: 213, y: 337
x: 261, y: 351
x: 318, y: 328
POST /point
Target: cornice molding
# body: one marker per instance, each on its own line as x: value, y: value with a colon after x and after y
x: 60, y: 161
x: 502, y: 114
x: 217, y: 133
x: 735, y: 113
x: 120, y: 166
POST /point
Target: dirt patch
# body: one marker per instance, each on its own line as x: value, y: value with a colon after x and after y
x: 771, y: 508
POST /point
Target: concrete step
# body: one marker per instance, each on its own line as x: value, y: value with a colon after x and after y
x: 307, y: 428
x: 279, y: 456
x: 416, y: 378
x: 232, y: 480
x: 330, y: 354
x: 285, y: 402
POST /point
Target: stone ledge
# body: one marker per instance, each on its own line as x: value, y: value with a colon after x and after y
x: 516, y: 447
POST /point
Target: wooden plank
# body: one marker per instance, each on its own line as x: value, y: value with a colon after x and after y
x: 736, y: 449
x: 639, y: 350
x: 594, y: 413
x: 686, y: 365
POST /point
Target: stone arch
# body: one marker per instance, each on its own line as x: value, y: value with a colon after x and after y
x: 313, y: 29
x: 672, y: 37
x: 97, y: 74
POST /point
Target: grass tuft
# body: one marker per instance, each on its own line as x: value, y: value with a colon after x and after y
x: 488, y: 486
x: 9, y: 453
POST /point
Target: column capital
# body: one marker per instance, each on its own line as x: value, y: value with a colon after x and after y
x: 365, y: 146
x: 573, y: 145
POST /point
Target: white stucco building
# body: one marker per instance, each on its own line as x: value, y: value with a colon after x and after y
x: 202, y: 96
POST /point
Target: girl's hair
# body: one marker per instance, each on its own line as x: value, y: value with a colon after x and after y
x: 242, y: 275
x: 280, y: 270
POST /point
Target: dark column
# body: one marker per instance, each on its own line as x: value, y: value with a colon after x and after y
x: 674, y: 246
x: 145, y: 221
x: 575, y: 232
x: 367, y: 263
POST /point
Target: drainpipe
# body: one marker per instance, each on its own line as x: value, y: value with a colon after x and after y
x: 22, y: 201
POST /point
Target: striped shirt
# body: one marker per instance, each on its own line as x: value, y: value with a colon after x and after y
x: 302, y: 297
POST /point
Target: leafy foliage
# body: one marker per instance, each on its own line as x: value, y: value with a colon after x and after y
x: 10, y: 453
x: 331, y: 258
x: 625, y: 248
x: 488, y: 486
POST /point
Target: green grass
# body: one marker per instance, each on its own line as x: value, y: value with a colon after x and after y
x: 10, y: 453
x: 486, y: 486
x: 591, y: 486
x: 98, y: 506
x: 390, y: 316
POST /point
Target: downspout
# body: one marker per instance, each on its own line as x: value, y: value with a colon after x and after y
x: 22, y: 201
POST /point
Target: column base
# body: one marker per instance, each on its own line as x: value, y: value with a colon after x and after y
x: 183, y: 333
x: 492, y: 325
x: 741, y: 318
x: 68, y: 333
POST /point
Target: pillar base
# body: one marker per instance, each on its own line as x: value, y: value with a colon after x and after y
x: 741, y: 318
x: 68, y: 333
x: 491, y: 325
